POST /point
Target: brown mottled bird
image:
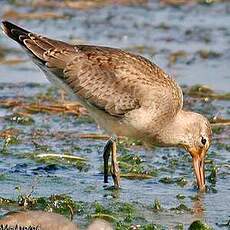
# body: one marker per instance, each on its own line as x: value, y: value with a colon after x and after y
x: 125, y: 93
x: 41, y: 220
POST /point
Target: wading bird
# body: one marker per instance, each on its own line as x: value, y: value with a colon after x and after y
x: 126, y: 94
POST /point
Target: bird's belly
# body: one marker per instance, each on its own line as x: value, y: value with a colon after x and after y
x: 114, y: 126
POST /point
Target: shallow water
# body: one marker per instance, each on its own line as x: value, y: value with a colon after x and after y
x: 156, y: 32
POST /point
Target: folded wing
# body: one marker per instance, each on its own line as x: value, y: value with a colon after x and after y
x: 110, y: 79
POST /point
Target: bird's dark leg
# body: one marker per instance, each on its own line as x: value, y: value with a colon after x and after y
x: 115, y: 171
x: 106, y: 154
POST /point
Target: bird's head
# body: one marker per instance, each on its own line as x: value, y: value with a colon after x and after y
x: 191, y: 131
x: 197, y: 142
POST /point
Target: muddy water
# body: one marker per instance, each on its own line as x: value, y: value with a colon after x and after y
x: 192, y: 43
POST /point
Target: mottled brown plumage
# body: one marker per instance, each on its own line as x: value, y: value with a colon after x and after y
x: 41, y: 220
x: 125, y: 93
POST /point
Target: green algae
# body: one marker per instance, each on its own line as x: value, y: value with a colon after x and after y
x: 8, y: 141
x: 179, y: 226
x: 41, y: 147
x: 99, y: 208
x: 176, y: 56
x: 205, y: 54
x: 217, y: 130
x: 221, y: 146
x: 136, y: 176
x: 180, y: 196
x: 151, y: 227
x: 20, y: 118
x: 204, y: 91
x: 181, y: 181
x: 212, y: 177
x: 61, y: 203
x: 181, y: 208
x: 5, y: 201
x: 133, y: 167
x: 28, y: 201
x: 157, y: 206
x: 66, y: 159
x: 119, y: 212
x: 104, y: 216
x: 199, y: 225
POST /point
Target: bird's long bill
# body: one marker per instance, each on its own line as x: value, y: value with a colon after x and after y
x: 198, y: 165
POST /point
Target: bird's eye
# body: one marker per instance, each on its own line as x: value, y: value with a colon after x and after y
x: 203, y: 140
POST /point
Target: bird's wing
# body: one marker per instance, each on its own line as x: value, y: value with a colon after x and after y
x: 95, y: 81
x: 110, y: 79
x: 119, y: 82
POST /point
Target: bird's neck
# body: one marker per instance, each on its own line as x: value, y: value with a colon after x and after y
x: 174, y: 133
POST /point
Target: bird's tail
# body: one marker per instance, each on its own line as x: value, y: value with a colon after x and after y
x: 43, y: 49
x: 16, y: 33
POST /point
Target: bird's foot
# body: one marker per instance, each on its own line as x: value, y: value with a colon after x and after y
x: 106, y: 154
x: 115, y: 171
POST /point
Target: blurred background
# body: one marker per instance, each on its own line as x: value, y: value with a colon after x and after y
x: 190, y: 40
